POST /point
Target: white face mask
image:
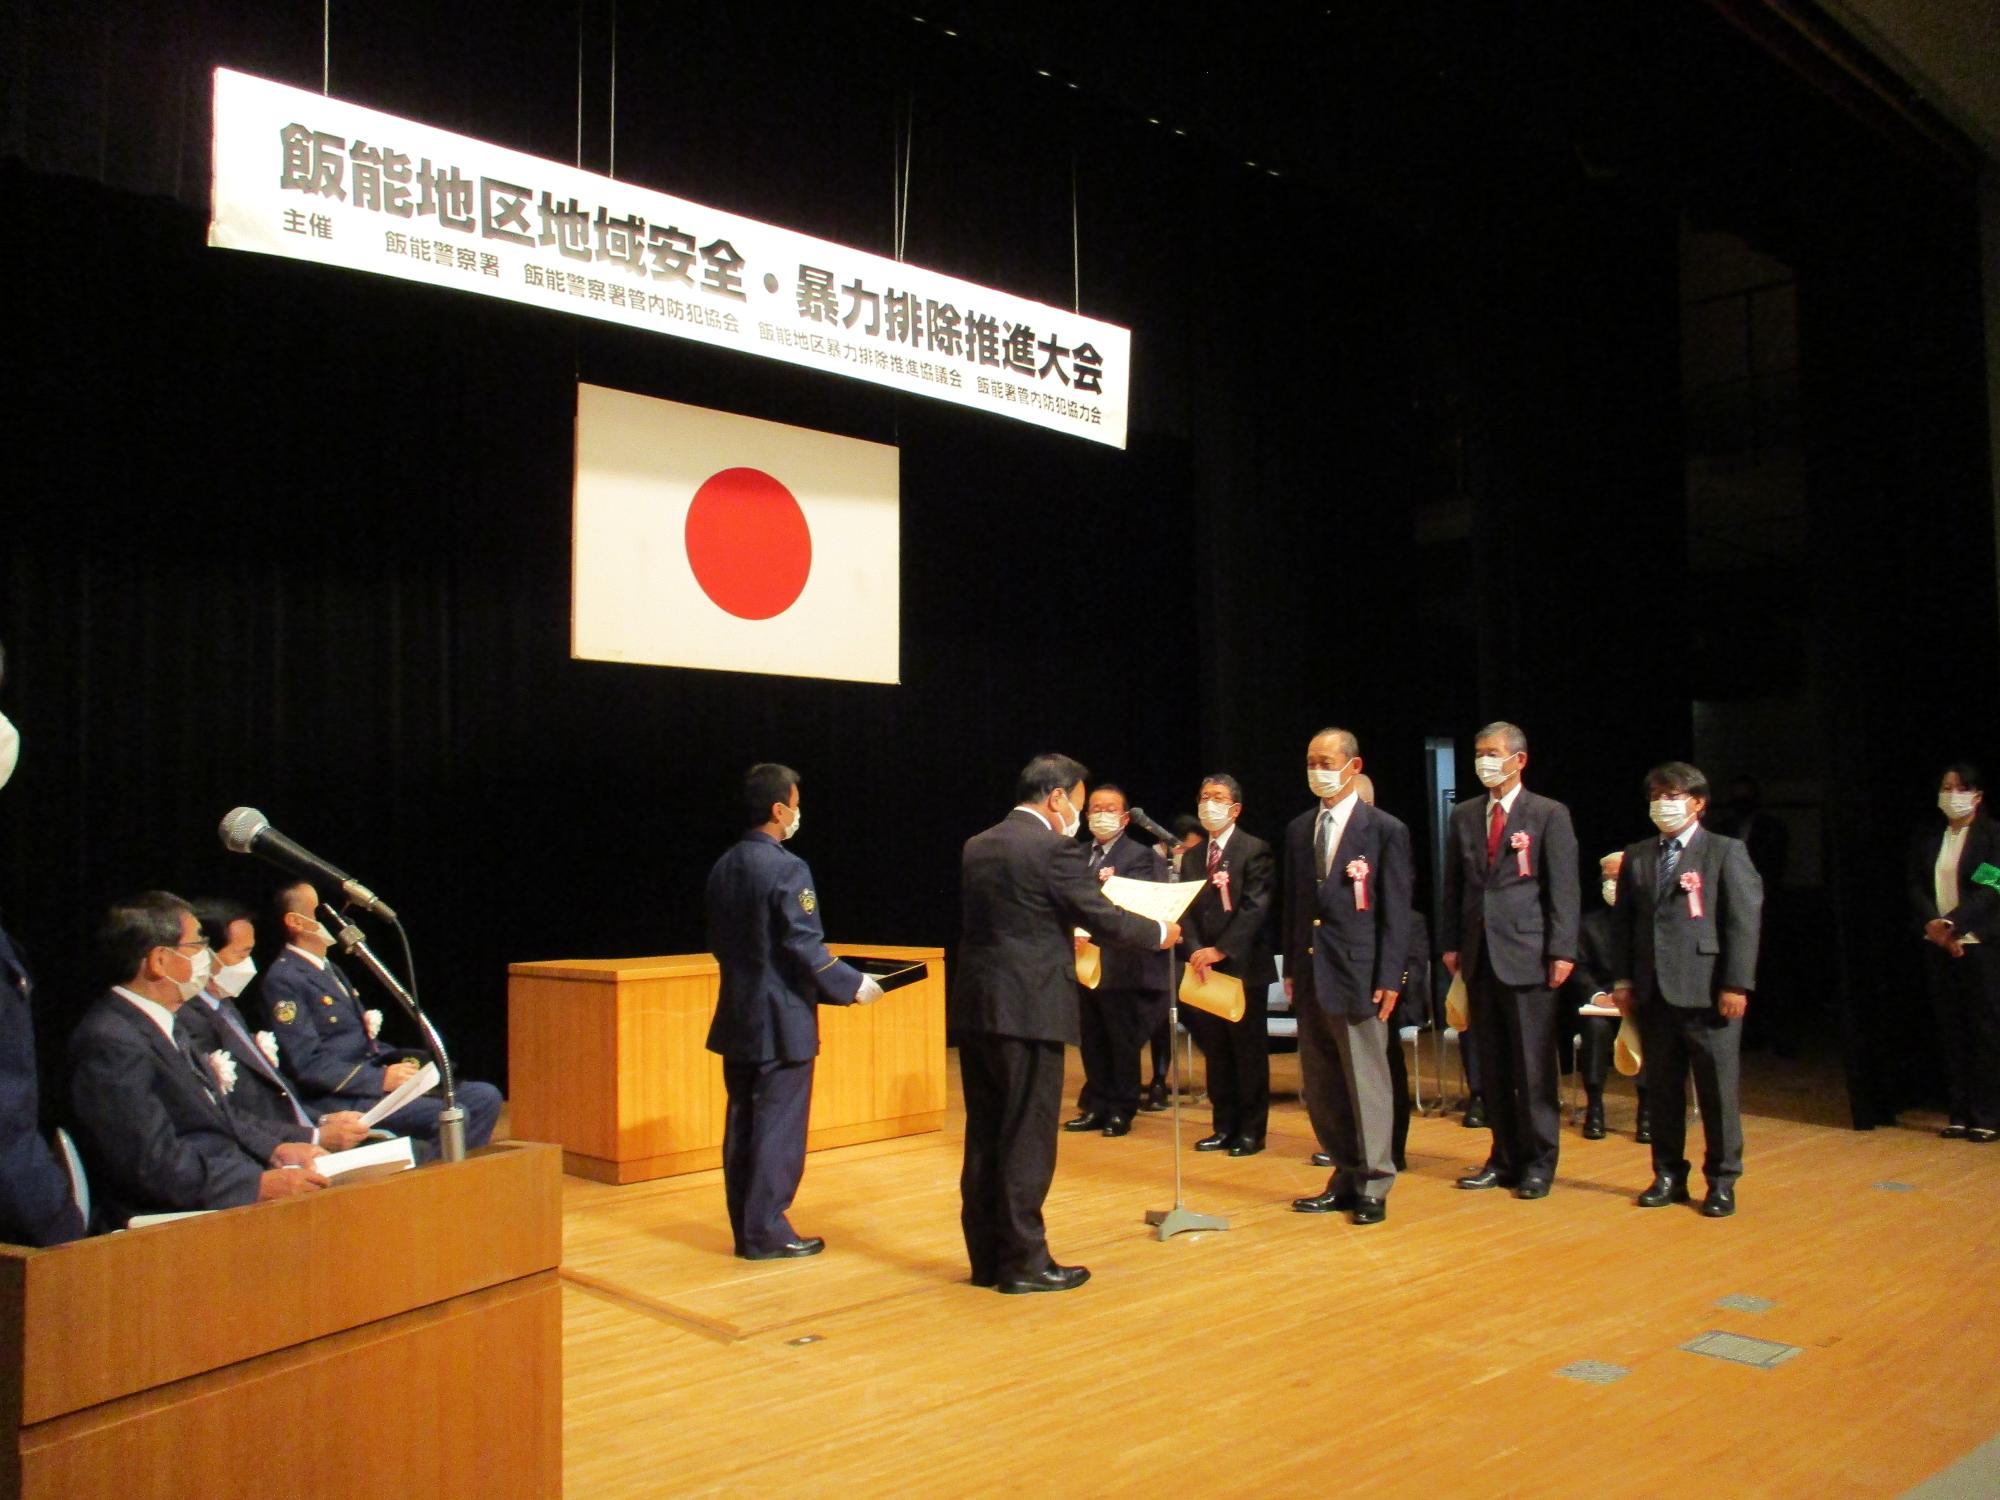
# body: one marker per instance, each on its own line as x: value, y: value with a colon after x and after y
x: 1669, y: 814
x: 10, y: 749
x: 1214, y: 816
x: 1326, y: 784
x: 1071, y: 822
x: 1104, y: 826
x: 198, y: 973
x: 1610, y: 889
x: 1488, y: 769
x: 233, y: 979
x: 1953, y: 805
x: 791, y: 829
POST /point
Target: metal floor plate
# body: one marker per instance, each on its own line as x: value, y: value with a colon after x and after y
x: 1740, y: 1349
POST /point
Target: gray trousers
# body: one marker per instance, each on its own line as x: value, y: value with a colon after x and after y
x: 1677, y: 1041
x: 1344, y: 1072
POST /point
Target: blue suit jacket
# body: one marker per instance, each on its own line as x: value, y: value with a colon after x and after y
x: 1348, y: 953
x: 35, y: 1203
x: 764, y: 930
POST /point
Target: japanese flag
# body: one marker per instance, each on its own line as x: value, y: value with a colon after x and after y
x: 709, y: 540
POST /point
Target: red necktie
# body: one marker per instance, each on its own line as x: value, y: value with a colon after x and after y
x: 1494, y: 829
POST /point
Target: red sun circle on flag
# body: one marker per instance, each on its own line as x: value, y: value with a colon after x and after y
x: 748, y: 543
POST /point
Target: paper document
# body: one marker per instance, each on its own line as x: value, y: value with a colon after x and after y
x: 377, y: 1159
x: 1599, y: 1010
x: 1220, y: 995
x: 416, y: 1088
x: 1158, y: 899
x: 146, y: 1221
x: 1089, y: 962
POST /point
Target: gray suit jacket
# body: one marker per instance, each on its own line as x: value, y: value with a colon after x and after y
x: 1521, y: 921
x: 1666, y: 951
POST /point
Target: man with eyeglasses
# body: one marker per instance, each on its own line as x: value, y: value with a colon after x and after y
x: 151, y: 1107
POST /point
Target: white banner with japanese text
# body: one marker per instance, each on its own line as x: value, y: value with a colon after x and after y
x: 301, y: 175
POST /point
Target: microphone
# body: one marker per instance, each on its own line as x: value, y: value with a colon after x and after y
x: 1159, y: 833
x: 246, y: 831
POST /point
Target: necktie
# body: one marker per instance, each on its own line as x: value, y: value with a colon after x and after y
x: 235, y: 1024
x: 1323, y: 842
x: 1496, y: 827
x: 1214, y: 856
x: 1670, y: 856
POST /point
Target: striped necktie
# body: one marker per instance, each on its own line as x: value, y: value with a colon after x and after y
x: 1670, y: 858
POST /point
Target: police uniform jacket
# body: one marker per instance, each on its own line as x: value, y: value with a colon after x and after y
x: 323, y: 1042
x: 764, y: 929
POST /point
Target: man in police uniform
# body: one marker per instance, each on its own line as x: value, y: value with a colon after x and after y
x: 764, y: 930
x: 323, y: 1041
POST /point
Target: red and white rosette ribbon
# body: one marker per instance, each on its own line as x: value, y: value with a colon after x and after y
x: 1220, y: 880
x: 1357, y: 871
x: 1691, y: 883
x: 1519, y: 844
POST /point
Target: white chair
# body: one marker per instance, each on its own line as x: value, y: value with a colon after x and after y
x: 79, y: 1185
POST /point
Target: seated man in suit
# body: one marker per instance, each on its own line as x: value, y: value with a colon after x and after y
x: 262, y: 1091
x: 1223, y: 930
x: 151, y: 1108
x: 1684, y: 945
x: 1118, y: 1017
x: 326, y: 1041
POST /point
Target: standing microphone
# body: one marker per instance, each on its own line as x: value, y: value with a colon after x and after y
x: 1139, y: 817
x: 246, y: 831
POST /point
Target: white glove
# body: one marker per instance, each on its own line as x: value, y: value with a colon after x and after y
x: 869, y: 992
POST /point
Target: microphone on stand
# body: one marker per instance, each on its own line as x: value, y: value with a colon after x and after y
x: 1159, y: 833
x: 245, y: 830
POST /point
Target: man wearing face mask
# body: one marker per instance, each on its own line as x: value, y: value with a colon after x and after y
x: 1348, y: 881
x: 764, y: 930
x: 1684, y: 947
x: 325, y: 1041
x: 1116, y: 1019
x: 153, y: 1119
x: 1224, y: 931
x: 36, y: 1206
x: 1590, y: 983
x: 1024, y: 889
x: 261, y: 1092
x: 1958, y: 913
x: 1509, y: 919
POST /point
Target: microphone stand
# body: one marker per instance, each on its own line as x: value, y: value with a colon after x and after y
x: 1180, y: 1218
x: 451, y: 1122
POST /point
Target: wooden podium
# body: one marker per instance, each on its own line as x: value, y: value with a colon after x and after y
x: 607, y: 1057
x: 402, y: 1335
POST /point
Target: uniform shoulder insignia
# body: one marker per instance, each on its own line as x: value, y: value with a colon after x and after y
x: 285, y: 1012
x: 807, y: 899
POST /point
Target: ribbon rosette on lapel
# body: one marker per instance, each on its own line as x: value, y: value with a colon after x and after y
x: 1519, y: 844
x: 1357, y: 871
x: 1691, y: 883
x: 1220, y: 880
x: 223, y: 1066
x: 372, y: 1019
x: 267, y: 1043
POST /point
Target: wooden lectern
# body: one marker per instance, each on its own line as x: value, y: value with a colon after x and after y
x: 401, y: 1336
x: 608, y: 1057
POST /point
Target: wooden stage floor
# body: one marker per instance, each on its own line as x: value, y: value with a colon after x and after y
x: 1295, y: 1354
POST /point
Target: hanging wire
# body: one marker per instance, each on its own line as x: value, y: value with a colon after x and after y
x: 611, y: 149
x: 326, y: 48
x: 579, y: 85
x: 1075, y: 238
x: 902, y: 234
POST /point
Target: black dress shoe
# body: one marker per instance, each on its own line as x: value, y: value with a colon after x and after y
x: 1953, y: 1132
x: 1719, y: 1204
x: 1154, y: 1099
x: 1979, y: 1135
x: 1485, y: 1177
x: 1593, y: 1123
x: 1049, y: 1279
x: 1246, y: 1145
x: 1216, y: 1142
x: 1321, y: 1159
x: 1328, y: 1202
x: 1666, y: 1189
x: 1532, y: 1187
x: 1090, y: 1119
x: 790, y: 1250
x: 984, y: 1279
x: 1475, y: 1114
x: 1643, y: 1133
x: 1118, y: 1125
x: 1371, y: 1210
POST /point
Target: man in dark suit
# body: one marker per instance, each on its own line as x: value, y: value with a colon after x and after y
x: 764, y: 930
x: 1117, y: 1018
x: 1684, y: 948
x: 36, y: 1205
x: 1348, y: 881
x: 1510, y: 924
x: 1024, y: 890
x: 1959, y: 916
x: 1590, y: 983
x: 328, y: 1043
x: 152, y: 1113
x: 1224, y: 930
x: 262, y: 1091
